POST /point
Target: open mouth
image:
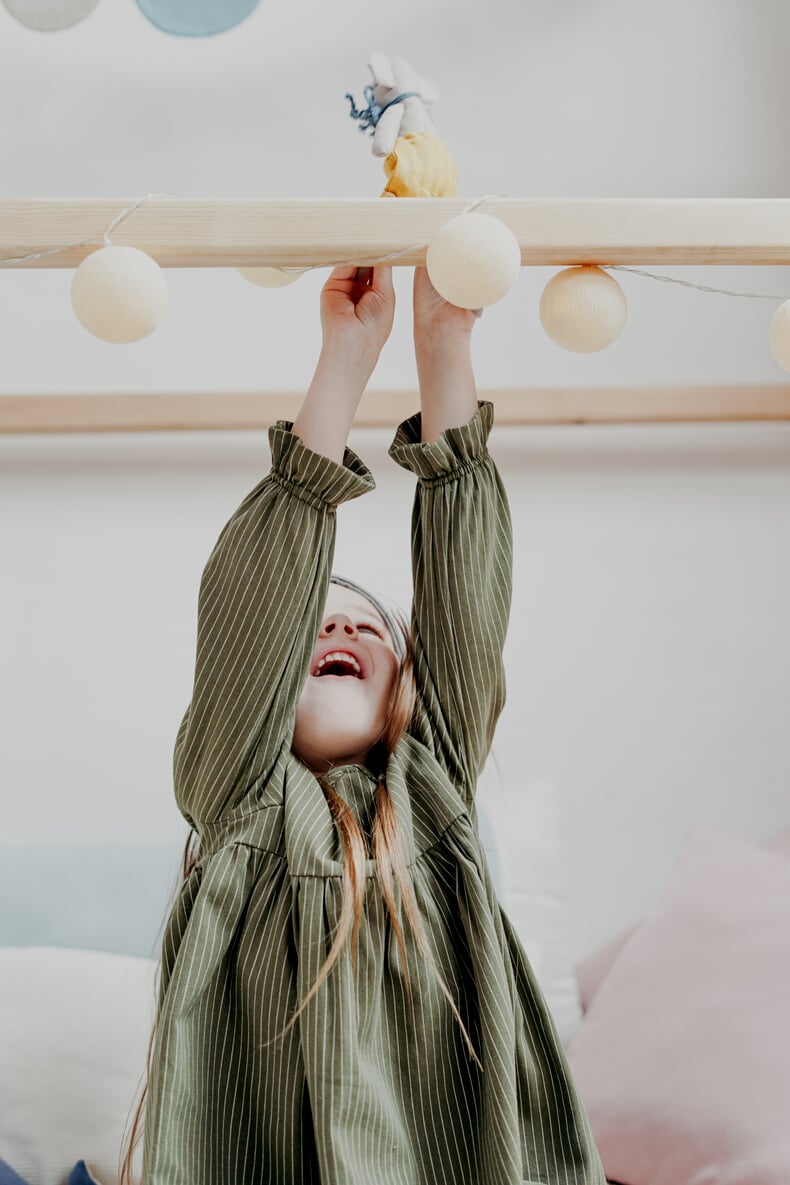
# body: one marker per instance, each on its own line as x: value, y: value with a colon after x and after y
x: 339, y: 663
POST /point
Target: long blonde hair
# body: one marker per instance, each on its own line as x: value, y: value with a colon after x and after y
x: 391, y: 870
x: 391, y: 867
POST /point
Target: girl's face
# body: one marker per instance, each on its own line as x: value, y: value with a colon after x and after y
x: 342, y: 711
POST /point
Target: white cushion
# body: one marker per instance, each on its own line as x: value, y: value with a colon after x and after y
x: 74, y: 1030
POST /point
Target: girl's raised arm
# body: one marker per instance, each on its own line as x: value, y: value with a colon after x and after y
x: 357, y: 311
x: 264, y: 586
x: 461, y: 543
x: 442, y: 348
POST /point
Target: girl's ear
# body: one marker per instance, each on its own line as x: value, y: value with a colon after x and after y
x: 381, y: 70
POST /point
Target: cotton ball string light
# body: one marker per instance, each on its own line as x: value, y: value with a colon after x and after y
x: 50, y: 16
x: 473, y: 260
x: 119, y: 294
x: 583, y: 309
x: 779, y: 335
x: 268, y: 277
x: 188, y: 18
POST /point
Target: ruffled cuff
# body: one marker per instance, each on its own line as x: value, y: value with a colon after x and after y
x: 312, y: 477
x: 457, y: 451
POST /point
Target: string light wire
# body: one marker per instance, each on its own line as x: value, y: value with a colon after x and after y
x: 105, y: 240
x: 95, y: 241
x: 616, y: 267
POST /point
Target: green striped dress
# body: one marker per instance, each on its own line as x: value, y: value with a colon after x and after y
x: 365, y: 1089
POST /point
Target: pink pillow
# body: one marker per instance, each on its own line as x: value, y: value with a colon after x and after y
x: 683, y: 1060
x: 593, y: 969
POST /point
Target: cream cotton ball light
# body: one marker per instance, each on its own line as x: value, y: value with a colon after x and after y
x: 473, y: 260
x: 779, y: 335
x: 268, y: 277
x: 50, y: 16
x: 119, y: 294
x: 583, y: 309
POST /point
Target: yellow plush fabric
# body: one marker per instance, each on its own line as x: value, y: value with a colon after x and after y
x: 421, y: 165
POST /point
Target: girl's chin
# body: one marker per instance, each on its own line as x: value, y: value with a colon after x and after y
x: 334, y: 680
x: 345, y: 685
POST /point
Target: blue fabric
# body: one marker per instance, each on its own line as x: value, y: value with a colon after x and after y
x: 196, y: 18
x: 80, y: 1175
x: 103, y: 896
x: 8, y: 1176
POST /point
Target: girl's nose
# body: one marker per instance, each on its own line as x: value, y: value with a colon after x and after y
x: 339, y: 625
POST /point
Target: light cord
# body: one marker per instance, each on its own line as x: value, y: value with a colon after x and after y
x: 105, y: 240
x: 395, y: 254
x: 616, y: 267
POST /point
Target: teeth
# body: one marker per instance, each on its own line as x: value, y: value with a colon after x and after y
x: 340, y: 656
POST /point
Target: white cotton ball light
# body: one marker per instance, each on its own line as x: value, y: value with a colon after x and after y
x: 268, y: 277
x: 50, y: 16
x: 473, y: 260
x: 583, y: 309
x: 779, y: 335
x: 119, y: 294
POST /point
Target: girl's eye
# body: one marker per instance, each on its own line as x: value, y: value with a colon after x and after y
x: 364, y: 625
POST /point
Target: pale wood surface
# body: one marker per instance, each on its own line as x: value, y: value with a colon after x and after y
x: 196, y: 232
x: 256, y: 410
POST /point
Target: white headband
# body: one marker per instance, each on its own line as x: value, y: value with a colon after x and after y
x: 392, y: 625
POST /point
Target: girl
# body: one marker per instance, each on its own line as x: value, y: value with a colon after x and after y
x: 342, y: 999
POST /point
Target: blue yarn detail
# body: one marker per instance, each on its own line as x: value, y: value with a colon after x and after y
x: 399, y: 99
x: 369, y: 116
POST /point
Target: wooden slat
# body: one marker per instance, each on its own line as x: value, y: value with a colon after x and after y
x: 198, y: 232
x: 256, y: 410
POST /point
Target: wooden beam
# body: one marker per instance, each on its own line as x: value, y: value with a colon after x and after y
x: 197, y: 232
x: 256, y: 410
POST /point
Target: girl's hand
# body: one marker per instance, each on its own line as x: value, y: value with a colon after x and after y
x: 434, y: 317
x: 358, y: 308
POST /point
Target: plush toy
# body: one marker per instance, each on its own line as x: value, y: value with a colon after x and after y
x: 417, y: 162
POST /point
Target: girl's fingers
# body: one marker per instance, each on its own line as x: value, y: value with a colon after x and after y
x: 343, y: 272
x: 378, y: 278
x: 382, y: 281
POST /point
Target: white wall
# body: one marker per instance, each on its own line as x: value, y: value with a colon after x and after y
x: 649, y: 646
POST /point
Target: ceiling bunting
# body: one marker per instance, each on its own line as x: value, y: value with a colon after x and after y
x: 50, y: 16
x: 196, y: 18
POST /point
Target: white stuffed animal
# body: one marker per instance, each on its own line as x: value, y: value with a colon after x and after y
x: 417, y: 162
x: 391, y: 78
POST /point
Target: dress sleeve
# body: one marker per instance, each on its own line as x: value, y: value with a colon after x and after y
x: 261, y: 596
x: 462, y: 567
